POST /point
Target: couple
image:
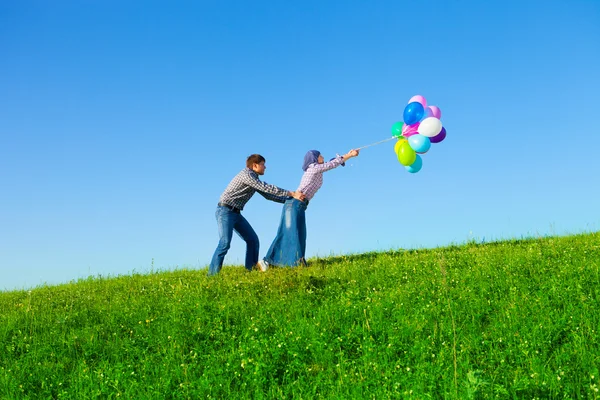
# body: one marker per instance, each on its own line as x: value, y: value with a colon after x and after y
x: 289, y: 246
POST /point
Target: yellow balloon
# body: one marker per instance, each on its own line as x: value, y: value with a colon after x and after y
x: 398, y: 144
x: 406, y: 154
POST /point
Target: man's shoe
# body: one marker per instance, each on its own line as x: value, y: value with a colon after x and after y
x: 263, y: 265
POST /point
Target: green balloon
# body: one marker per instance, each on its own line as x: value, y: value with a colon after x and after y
x: 406, y: 154
x: 397, y: 129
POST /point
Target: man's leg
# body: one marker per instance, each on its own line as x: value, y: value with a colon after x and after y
x: 243, y: 228
x: 225, y: 223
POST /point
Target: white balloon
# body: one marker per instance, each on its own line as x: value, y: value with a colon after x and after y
x: 430, y: 127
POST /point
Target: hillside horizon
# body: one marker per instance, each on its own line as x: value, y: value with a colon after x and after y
x: 471, y: 321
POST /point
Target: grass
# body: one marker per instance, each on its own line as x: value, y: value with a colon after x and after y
x: 515, y: 319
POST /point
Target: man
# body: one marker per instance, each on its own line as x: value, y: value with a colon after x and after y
x: 229, y: 218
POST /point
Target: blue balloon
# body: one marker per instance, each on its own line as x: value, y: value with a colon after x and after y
x: 416, y: 166
x: 413, y: 112
x: 419, y: 143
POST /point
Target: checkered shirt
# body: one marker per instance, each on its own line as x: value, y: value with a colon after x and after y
x: 312, y: 180
x: 243, y: 186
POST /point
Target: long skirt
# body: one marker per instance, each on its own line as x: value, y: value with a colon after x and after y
x: 289, y: 246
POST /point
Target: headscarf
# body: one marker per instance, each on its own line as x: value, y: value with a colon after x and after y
x: 311, y: 157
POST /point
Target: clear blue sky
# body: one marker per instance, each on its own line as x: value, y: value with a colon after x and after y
x: 121, y: 122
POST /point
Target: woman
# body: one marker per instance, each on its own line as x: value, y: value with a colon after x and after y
x: 289, y: 246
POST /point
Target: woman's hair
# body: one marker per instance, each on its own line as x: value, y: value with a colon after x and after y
x: 254, y: 159
x: 311, y: 157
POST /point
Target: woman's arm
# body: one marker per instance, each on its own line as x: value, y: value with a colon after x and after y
x: 336, y: 162
x: 350, y: 154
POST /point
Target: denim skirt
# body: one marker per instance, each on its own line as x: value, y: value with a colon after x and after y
x: 289, y: 245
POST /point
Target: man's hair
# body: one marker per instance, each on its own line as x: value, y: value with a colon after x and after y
x: 254, y: 159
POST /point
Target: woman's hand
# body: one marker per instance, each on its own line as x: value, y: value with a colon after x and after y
x: 350, y: 154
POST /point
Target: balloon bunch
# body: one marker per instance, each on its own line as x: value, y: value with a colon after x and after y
x: 421, y: 127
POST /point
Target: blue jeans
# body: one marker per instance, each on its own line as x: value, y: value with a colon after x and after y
x: 227, y: 222
x: 289, y: 246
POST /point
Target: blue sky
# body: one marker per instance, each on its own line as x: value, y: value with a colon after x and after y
x: 122, y: 122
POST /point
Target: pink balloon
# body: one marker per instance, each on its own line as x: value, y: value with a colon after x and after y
x: 409, y: 130
x: 419, y: 99
x: 435, y: 112
x: 427, y: 113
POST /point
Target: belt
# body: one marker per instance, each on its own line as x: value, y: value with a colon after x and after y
x: 232, y: 208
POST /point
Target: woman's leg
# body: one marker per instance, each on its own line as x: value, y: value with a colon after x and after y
x: 302, y: 234
x: 273, y: 255
x: 285, y: 249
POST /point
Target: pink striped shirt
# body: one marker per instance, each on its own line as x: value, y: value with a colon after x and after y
x: 312, y: 180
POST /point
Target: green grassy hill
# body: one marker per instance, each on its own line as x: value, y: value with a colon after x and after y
x: 512, y: 319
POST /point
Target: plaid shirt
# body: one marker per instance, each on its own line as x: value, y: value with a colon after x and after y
x: 312, y: 180
x: 243, y: 186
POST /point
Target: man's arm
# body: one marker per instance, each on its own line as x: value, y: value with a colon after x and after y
x: 266, y: 189
x: 272, y: 197
x: 263, y: 187
x: 279, y: 199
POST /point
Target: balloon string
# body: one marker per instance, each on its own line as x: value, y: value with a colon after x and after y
x: 373, y: 144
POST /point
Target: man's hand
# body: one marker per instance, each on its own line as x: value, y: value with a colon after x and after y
x: 298, y: 196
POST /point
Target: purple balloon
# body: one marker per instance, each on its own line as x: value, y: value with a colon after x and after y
x: 439, y: 137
